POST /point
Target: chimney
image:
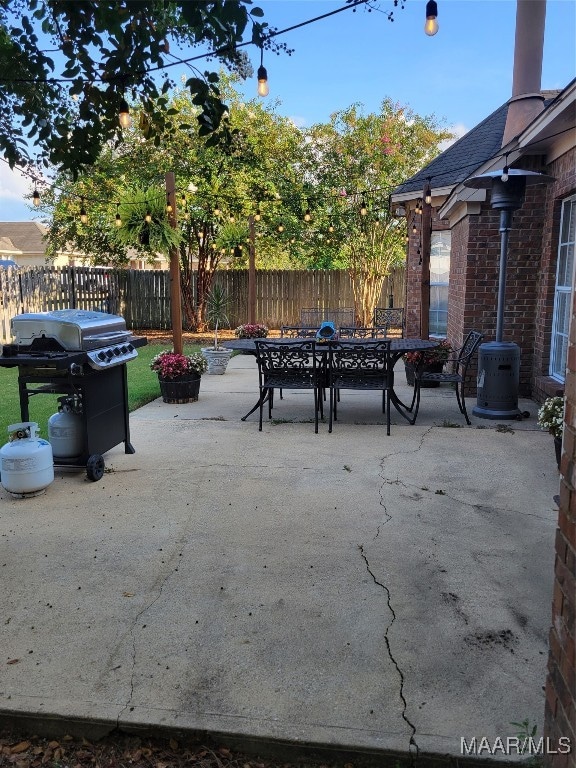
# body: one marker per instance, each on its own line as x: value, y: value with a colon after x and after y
x: 527, y: 102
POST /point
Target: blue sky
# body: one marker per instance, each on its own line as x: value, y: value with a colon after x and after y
x: 461, y: 75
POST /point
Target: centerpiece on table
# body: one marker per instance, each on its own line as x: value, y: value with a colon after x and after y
x: 179, y: 375
x: 427, y: 360
x: 551, y: 418
x: 251, y: 331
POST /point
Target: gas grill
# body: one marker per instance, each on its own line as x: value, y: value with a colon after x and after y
x: 82, y: 354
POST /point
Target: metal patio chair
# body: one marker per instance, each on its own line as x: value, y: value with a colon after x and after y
x: 352, y: 332
x: 457, y: 375
x: 390, y: 318
x: 360, y: 367
x: 289, y: 365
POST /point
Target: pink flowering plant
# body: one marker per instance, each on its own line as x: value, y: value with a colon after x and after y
x: 171, y: 365
x: 251, y: 331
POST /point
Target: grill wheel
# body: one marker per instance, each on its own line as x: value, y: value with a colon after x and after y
x: 95, y: 467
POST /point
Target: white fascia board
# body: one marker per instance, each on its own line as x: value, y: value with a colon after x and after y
x: 414, y: 195
x: 537, y: 129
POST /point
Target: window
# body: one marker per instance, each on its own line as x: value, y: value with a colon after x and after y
x: 563, y: 294
x: 439, y: 275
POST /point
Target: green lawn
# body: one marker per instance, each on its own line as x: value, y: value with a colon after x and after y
x: 142, y: 388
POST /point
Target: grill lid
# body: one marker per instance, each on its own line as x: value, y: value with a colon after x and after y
x: 73, y: 329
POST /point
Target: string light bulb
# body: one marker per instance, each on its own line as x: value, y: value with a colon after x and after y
x: 124, y: 114
x: 118, y: 217
x: 83, y: 214
x: 168, y: 204
x: 505, y: 170
x: 428, y: 193
x: 216, y: 210
x: 414, y: 227
x: 263, y: 88
x: 307, y: 215
x: 431, y: 25
x: 363, y: 208
x: 257, y: 215
x: 330, y: 228
x: 36, y: 198
x: 419, y: 206
x: 148, y: 217
x: 280, y: 227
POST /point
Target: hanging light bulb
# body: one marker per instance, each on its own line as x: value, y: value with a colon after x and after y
x: 504, y: 176
x: 280, y: 227
x: 183, y: 200
x: 363, y: 208
x: 414, y: 228
x: 231, y: 219
x: 330, y: 228
x: 83, y: 214
x: 419, y: 206
x: 124, y: 114
x: 216, y: 210
x: 168, y: 204
x: 36, y: 198
x: 118, y: 217
x: 428, y: 193
x: 307, y: 215
x: 431, y: 25
x: 263, y: 89
x: 148, y: 217
x: 186, y: 213
x: 257, y: 215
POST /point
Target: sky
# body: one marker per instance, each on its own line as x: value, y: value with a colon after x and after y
x: 461, y: 75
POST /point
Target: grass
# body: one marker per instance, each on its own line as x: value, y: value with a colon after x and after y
x: 142, y: 388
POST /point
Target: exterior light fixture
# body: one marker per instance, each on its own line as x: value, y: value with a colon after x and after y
x: 428, y: 193
x: 363, y: 208
x: 263, y: 89
x: 118, y: 217
x: 431, y: 25
x: 83, y: 214
x: 124, y: 114
x: 36, y: 198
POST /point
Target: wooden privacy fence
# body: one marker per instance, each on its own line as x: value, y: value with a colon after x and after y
x: 142, y: 297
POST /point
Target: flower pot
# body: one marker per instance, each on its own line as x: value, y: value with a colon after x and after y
x: 558, y: 450
x: 184, y: 389
x: 217, y: 359
x: 432, y: 367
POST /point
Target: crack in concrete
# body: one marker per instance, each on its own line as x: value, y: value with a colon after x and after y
x: 409, y: 723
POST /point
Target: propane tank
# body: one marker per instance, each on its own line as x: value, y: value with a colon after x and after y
x: 65, y: 429
x: 26, y: 464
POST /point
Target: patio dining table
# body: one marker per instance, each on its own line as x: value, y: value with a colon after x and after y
x: 398, y: 347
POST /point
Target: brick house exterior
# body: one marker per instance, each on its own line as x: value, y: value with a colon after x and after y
x: 548, y: 145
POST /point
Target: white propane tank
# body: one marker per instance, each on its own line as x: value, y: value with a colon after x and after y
x: 65, y: 429
x: 26, y: 464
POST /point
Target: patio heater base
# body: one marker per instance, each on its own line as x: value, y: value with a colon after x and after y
x: 498, y: 380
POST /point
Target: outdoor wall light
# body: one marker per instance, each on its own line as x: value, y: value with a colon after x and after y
x: 431, y: 25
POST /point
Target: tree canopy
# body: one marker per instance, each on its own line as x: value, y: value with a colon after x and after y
x: 67, y: 67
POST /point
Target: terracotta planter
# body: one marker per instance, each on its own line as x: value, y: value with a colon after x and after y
x: 184, y: 389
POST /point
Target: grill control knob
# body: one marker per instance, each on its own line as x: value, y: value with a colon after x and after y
x: 116, y: 351
x: 101, y: 356
x: 130, y: 348
x: 109, y: 354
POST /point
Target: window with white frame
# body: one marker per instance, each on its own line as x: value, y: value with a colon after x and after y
x: 439, y: 275
x: 563, y: 293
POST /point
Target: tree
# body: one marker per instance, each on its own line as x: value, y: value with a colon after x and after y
x: 356, y: 161
x: 218, y: 189
x: 66, y: 68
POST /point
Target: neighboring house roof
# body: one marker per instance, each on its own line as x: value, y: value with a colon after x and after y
x: 25, y: 236
x: 7, y: 246
x: 462, y: 158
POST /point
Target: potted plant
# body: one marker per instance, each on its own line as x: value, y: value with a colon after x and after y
x: 251, y: 331
x: 551, y: 418
x: 179, y: 375
x: 216, y: 356
x: 429, y: 360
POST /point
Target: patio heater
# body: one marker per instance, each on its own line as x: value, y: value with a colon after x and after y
x: 499, y: 361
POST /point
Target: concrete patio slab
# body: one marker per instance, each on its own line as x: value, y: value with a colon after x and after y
x: 365, y: 593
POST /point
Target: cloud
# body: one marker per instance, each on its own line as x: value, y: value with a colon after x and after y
x: 13, y: 184
x: 459, y: 130
x: 299, y: 122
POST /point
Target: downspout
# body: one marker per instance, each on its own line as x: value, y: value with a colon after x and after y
x: 527, y: 101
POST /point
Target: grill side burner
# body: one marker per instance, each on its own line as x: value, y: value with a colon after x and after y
x: 80, y: 354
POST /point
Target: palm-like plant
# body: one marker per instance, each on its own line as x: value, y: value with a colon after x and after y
x: 217, y: 307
